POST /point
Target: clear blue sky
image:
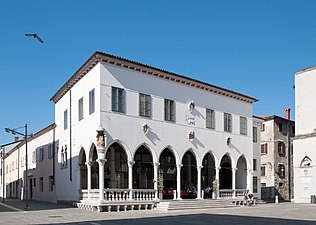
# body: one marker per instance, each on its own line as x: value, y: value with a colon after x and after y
x: 249, y: 46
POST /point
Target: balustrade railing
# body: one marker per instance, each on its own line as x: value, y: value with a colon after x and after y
x: 230, y: 193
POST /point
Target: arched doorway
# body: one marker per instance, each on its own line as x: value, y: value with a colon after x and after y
x: 188, y: 176
x: 225, y: 173
x: 94, y: 168
x: 168, y: 170
x: 241, y: 173
x: 143, y: 169
x: 208, y: 172
x: 83, y: 169
x: 116, y: 168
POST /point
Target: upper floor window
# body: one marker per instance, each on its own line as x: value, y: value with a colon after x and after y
x: 39, y: 154
x: 65, y: 119
x: 117, y: 99
x: 80, y: 109
x: 263, y: 127
x: 91, y: 102
x: 254, y: 134
x: 243, y: 125
x: 210, y: 118
x: 144, y: 105
x: 41, y: 187
x: 281, y: 148
x: 263, y: 171
x: 169, y: 110
x: 254, y: 165
x: 63, y: 156
x: 281, y: 171
x: 264, y: 148
x: 50, y: 151
x: 227, y: 122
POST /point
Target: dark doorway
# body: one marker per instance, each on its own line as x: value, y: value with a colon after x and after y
x: 143, y: 169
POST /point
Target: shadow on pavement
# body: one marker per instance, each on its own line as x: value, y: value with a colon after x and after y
x: 201, y: 219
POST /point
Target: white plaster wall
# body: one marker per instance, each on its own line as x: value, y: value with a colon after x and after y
x: 83, y: 132
x: 304, y: 178
x: 257, y: 155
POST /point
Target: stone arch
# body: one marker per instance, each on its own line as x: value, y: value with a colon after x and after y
x: 143, y: 168
x: 116, y: 166
x: 123, y: 145
x: 152, y: 152
x: 174, y: 152
x: 189, y: 174
x: 225, y: 172
x: 93, y: 156
x: 306, y: 162
x: 83, y: 169
x: 208, y: 172
x: 241, y: 173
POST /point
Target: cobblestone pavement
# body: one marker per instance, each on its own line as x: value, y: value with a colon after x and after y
x: 12, y: 212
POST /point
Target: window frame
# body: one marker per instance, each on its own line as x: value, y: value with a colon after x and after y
x: 169, y: 110
x: 91, y: 101
x: 243, y: 125
x: 254, y: 134
x: 118, y: 100
x: 228, y: 122
x: 66, y: 119
x: 145, y: 105
x: 80, y: 109
x: 210, y: 118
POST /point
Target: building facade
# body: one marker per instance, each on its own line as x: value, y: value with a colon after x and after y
x: 277, y: 157
x: 151, y: 124
x: 305, y: 137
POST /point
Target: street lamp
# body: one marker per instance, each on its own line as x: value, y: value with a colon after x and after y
x: 25, y: 135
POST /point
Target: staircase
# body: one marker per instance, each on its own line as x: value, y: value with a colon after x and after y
x: 190, y: 204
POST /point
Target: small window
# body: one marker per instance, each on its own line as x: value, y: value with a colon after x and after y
x: 263, y: 127
x: 255, y: 134
x: 281, y: 185
x: 281, y: 149
x: 263, y: 171
x: 50, y: 151
x: 144, y: 105
x: 210, y: 118
x: 169, y: 110
x: 34, y: 182
x: 227, y: 122
x: 65, y: 119
x: 91, y: 102
x: 118, y: 102
x: 39, y: 154
x: 80, y: 109
x: 281, y: 171
x: 51, y: 183
x: 254, y: 165
x: 255, y: 184
x: 243, y: 125
x: 264, y: 148
x: 41, y: 187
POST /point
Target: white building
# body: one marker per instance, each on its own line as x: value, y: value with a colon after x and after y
x: 149, y: 122
x: 305, y: 137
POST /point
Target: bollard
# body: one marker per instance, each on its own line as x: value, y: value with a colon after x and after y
x: 276, y: 199
x: 202, y: 194
x: 174, y: 194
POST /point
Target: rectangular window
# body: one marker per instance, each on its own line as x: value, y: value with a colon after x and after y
x: 50, y: 151
x: 39, y: 154
x: 51, y: 183
x: 243, y: 125
x: 255, y: 184
x: 281, y: 148
x: 144, y: 105
x: 91, y: 102
x: 227, y: 122
x: 254, y: 165
x: 210, y: 118
x: 34, y: 157
x: 80, y: 109
x: 41, y: 187
x: 169, y: 110
x: 117, y: 99
x: 255, y: 134
x: 34, y: 182
x: 264, y: 148
x: 263, y: 127
x: 65, y: 119
x: 263, y: 171
x: 281, y: 171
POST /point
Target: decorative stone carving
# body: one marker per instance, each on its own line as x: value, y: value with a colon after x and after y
x: 306, y: 162
x: 191, y: 135
x: 191, y: 106
x: 100, y: 137
x: 145, y: 128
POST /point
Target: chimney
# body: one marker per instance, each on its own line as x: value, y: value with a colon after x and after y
x: 287, y: 113
x: 16, y: 138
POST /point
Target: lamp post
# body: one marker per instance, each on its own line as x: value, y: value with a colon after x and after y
x: 2, y: 154
x: 25, y: 135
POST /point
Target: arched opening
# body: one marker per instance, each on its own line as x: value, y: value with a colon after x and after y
x: 241, y: 173
x: 225, y: 173
x: 208, y: 174
x: 94, y: 168
x: 116, y: 168
x: 188, y: 176
x: 143, y: 169
x: 83, y: 169
x: 168, y: 170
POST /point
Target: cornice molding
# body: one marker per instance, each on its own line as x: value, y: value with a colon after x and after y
x: 148, y: 70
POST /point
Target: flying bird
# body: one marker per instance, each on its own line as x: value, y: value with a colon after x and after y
x: 35, y: 36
